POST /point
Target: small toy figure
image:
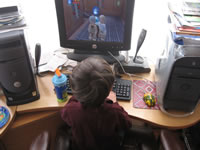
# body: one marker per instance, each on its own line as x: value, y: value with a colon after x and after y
x: 149, y: 99
x: 102, y: 28
x: 92, y: 28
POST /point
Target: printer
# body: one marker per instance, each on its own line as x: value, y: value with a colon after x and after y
x: 17, y: 74
x: 177, y: 75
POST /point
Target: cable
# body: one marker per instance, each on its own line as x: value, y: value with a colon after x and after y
x: 130, y: 75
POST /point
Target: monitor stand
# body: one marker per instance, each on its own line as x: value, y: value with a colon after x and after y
x: 79, y: 55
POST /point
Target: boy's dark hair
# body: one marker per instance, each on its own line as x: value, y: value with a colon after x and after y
x: 91, y: 81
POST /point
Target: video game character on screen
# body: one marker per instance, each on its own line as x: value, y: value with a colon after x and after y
x: 102, y: 28
x: 93, y: 28
x: 95, y: 20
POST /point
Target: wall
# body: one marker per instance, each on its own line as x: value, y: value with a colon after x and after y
x: 150, y: 15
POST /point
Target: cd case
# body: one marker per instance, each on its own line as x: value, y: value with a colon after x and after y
x: 4, y: 116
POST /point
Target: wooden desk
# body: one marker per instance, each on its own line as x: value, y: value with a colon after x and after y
x: 48, y: 102
x: 48, y: 105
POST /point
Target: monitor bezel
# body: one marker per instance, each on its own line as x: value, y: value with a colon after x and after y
x: 99, y: 46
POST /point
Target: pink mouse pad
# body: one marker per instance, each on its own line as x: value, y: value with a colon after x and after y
x: 140, y: 87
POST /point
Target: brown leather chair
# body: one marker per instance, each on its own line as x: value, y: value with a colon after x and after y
x: 136, y: 138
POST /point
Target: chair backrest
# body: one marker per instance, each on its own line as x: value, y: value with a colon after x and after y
x: 140, y: 137
x: 41, y: 142
x: 63, y: 138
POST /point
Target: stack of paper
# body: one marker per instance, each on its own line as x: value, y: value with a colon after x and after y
x: 191, y: 11
x: 185, y: 17
x: 11, y: 17
x: 52, y: 61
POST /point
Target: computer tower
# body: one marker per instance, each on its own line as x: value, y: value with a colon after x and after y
x: 177, y: 75
x: 17, y: 78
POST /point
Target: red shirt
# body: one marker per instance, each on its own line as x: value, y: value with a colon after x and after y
x: 95, y: 128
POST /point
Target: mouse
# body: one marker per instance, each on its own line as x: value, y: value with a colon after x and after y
x: 149, y: 99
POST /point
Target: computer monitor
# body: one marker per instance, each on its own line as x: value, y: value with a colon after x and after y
x: 95, y: 27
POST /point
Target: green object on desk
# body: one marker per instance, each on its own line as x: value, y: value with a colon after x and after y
x: 149, y: 99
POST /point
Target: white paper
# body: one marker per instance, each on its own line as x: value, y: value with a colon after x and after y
x: 54, y: 61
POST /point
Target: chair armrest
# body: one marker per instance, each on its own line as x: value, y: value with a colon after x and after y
x: 171, y: 141
x: 63, y: 138
x: 144, y: 136
x: 41, y: 142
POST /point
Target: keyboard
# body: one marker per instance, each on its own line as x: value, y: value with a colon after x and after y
x: 69, y: 90
x: 121, y: 87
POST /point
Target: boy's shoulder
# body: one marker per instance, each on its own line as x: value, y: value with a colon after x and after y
x: 72, y: 100
x: 108, y: 104
x: 114, y: 106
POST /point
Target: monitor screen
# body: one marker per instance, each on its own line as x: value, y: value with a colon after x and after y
x: 95, y: 26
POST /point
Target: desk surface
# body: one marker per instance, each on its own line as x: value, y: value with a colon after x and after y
x: 48, y: 102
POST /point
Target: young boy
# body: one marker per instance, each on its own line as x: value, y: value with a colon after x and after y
x: 96, y: 121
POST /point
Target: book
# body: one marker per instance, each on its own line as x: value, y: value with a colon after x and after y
x: 179, y: 23
x: 11, y: 18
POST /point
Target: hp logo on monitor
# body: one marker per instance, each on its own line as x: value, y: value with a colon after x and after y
x: 94, y: 46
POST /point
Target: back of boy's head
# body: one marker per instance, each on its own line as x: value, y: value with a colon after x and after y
x: 91, y: 81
